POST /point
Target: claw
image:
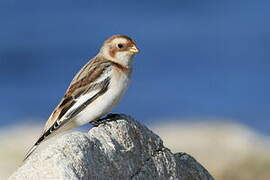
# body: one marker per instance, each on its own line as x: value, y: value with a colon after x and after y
x: 110, y: 117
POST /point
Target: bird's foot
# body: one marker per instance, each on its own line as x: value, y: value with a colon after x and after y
x: 110, y: 117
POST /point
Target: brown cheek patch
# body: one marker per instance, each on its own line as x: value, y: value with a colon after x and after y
x: 112, y: 52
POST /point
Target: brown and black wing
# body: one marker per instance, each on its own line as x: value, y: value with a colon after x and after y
x: 98, y: 79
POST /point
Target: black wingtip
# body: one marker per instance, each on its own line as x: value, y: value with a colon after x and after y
x: 30, y: 152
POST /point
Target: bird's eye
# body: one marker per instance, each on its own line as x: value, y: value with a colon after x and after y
x: 120, y: 46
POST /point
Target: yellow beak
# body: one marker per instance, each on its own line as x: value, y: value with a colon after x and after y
x: 134, y: 49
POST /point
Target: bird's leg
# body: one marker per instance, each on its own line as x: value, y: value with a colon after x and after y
x: 110, y: 117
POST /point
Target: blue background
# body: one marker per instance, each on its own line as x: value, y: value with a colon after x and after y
x: 198, y: 58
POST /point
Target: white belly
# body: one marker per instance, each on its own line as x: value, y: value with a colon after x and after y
x: 105, y: 102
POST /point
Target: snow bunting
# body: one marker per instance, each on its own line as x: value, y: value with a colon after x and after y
x: 95, y: 89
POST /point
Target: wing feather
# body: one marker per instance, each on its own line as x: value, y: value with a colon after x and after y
x: 92, y: 80
x: 93, y: 76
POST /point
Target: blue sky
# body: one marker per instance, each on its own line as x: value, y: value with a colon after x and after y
x: 198, y: 59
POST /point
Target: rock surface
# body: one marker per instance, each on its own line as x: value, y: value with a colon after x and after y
x: 120, y: 149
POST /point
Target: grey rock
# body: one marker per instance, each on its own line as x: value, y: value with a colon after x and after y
x: 120, y: 149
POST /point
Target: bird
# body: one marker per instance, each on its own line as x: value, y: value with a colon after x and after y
x: 94, y: 90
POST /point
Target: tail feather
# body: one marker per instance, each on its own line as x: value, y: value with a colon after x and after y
x: 44, y: 136
x: 53, y: 130
x: 33, y: 148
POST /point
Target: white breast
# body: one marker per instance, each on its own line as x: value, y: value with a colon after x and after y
x: 104, y: 104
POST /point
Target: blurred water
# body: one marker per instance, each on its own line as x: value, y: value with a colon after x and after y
x: 198, y: 58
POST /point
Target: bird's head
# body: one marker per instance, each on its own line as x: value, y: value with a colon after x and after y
x: 120, y: 49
